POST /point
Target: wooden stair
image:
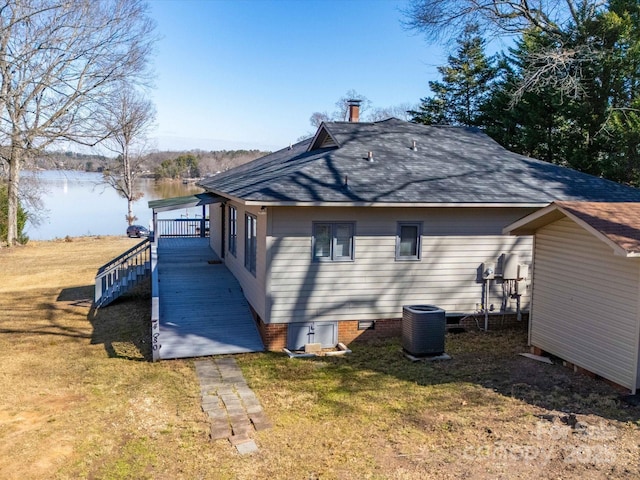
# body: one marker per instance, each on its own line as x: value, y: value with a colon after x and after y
x: 121, y: 274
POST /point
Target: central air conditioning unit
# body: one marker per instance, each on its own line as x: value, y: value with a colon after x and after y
x: 423, y: 330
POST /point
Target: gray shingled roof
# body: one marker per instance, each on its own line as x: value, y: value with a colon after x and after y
x: 189, y: 201
x: 451, y: 165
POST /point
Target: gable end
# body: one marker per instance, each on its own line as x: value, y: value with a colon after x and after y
x: 323, y: 139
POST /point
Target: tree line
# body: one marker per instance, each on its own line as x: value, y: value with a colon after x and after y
x: 196, y: 163
x: 151, y: 165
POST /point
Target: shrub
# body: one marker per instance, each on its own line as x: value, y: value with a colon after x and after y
x: 23, y: 216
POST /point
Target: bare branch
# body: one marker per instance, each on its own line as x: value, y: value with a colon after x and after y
x: 127, y: 116
x: 550, y: 69
x: 59, y: 60
x: 446, y: 19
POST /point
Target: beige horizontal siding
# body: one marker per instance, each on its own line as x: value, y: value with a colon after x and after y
x: 287, y: 222
x: 585, y: 302
x: 254, y: 287
x: 375, y: 285
x: 215, y: 232
x: 373, y: 250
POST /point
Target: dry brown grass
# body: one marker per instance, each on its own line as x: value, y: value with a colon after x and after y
x: 74, y: 401
x: 80, y: 400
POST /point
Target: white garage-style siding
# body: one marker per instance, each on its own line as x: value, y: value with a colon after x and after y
x: 585, y: 302
x: 455, y: 241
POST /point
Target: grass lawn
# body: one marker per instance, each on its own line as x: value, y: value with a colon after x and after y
x: 79, y: 398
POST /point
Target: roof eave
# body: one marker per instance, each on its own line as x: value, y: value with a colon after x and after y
x: 188, y: 201
x: 295, y: 203
x: 223, y: 196
x: 390, y: 204
x: 529, y: 224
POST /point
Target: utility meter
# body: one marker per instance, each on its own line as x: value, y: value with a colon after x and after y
x: 523, y: 271
x: 488, y: 270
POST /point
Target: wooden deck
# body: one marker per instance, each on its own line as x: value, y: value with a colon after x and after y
x: 202, y: 308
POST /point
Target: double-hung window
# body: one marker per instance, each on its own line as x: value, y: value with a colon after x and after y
x: 250, y: 242
x: 233, y: 230
x: 408, y: 241
x: 333, y: 242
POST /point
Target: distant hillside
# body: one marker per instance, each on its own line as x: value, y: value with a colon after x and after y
x: 68, y: 161
x: 208, y: 162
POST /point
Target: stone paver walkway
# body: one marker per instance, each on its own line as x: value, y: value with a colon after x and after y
x: 233, y: 409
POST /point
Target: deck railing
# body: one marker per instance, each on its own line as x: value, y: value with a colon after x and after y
x: 127, y: 270
x: 122, y: 273
x: 182, y: 227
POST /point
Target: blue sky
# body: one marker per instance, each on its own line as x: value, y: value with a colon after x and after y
x: 249, y: 73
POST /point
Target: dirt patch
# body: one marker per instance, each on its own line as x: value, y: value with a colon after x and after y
x: 29, y: 422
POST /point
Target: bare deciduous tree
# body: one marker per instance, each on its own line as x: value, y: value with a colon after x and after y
x: 446, y: 19
x: 317, y: 118
x: 58, y: 60
x: 557, y: 66
x: 367, y: 112
x: 401, y: 111
x: 342, y: 105
x: 128, y: 117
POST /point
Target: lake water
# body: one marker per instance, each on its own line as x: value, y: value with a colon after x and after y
x: 76, y: 204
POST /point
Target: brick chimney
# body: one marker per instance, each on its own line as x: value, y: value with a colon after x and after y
x: 354, y: 110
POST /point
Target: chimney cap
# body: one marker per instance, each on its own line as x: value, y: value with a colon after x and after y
x: 354, y: 102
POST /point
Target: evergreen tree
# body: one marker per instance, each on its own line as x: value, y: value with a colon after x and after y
x: 531, y: 126
x: 594, y: 126
x: 609, y: 109
x: 465, y: 85
x: 184, y: 166
x: 569, y: 92
x: 22, y: 216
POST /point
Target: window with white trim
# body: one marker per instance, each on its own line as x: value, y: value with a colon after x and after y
x: 250, y: 242
x: 333, y: 242
x: 233, y: 230
x: 408, y: 240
